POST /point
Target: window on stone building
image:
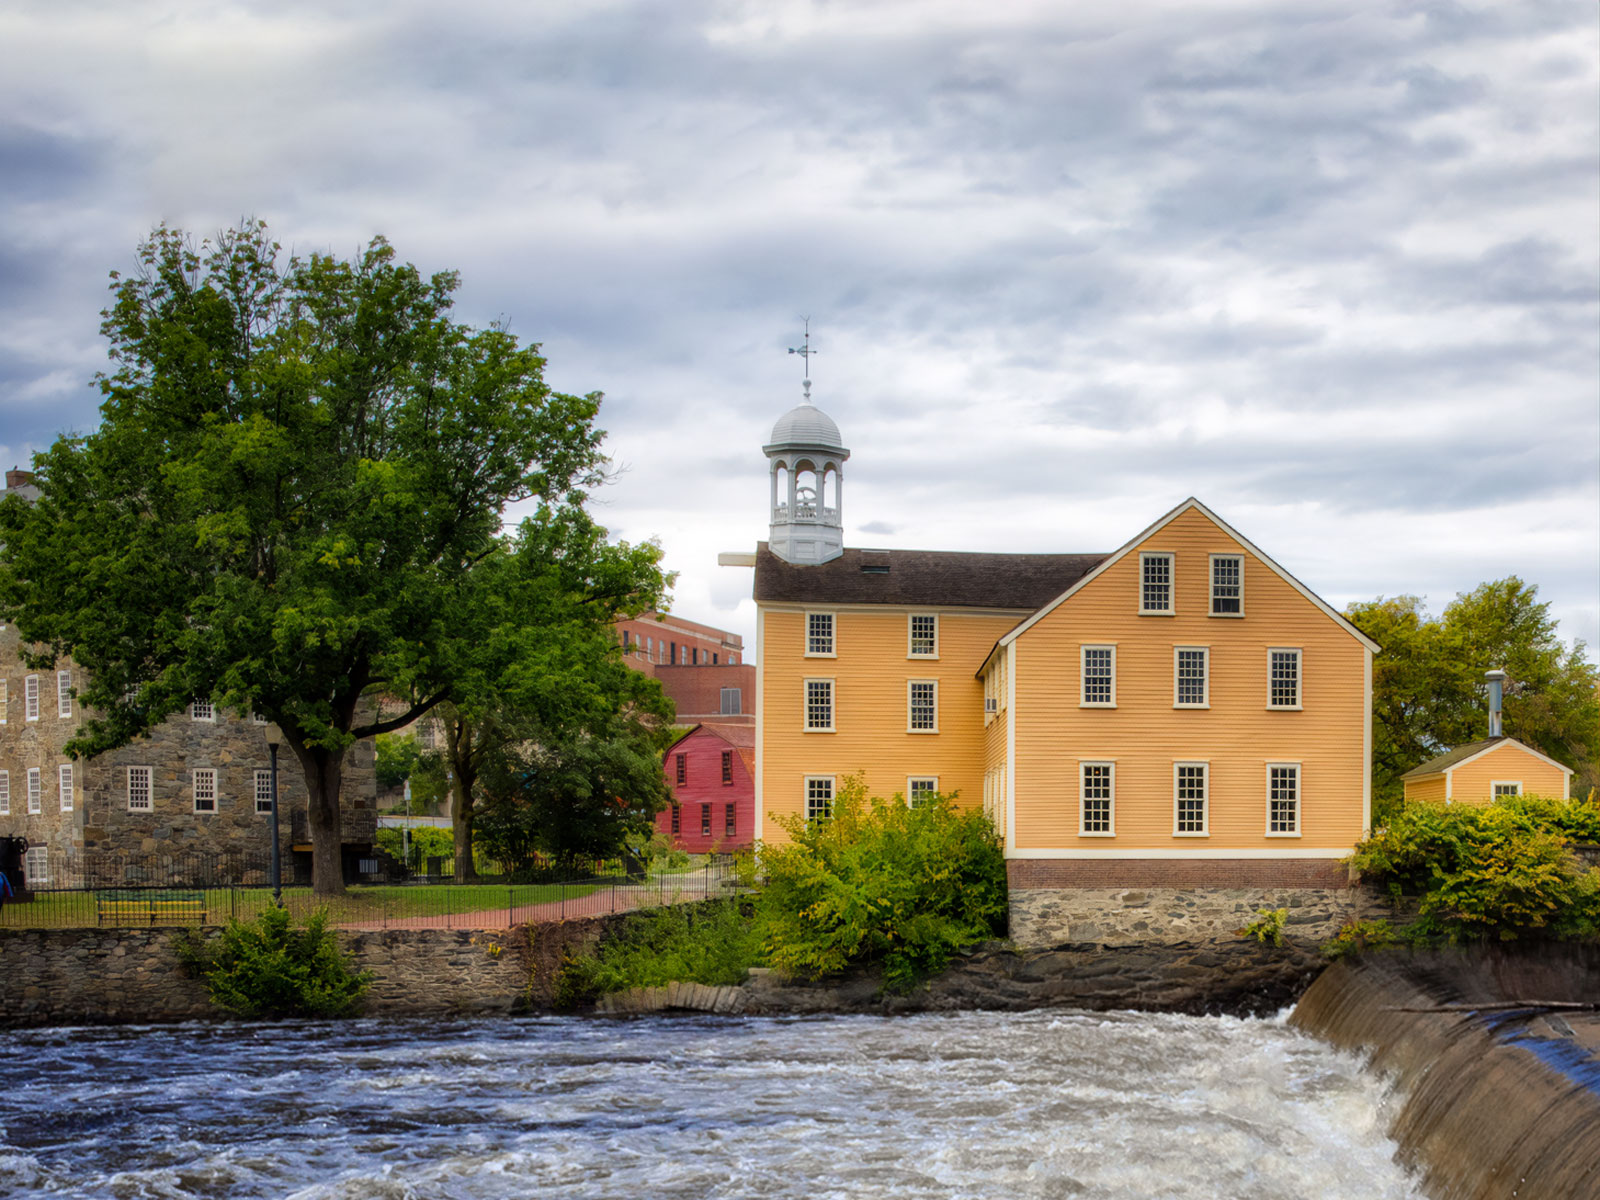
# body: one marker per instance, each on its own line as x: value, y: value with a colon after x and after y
x: 1283, y: 799
x: 819, y: 797
x: 205, y: 790
x: 1099, y: 676
x: 64, y: 786
x: 683, y: 768
x: 5, y: 793
x: 1227, y: 585
x: 202, y: 710
x: 139, y: 789
x: 819, y: 706
x: 1189, y: 799
x: 922, y: 699
x: 1155, y: 583
x: 35, y: 792
x: 258, y: 718
x: 732, y: 701
x: 263, y: 791
x: 1283, y: 678
x: 1097, y: 799
x: 36, y: 863
x: 819, y: 634
x: 730, y: 821
x: 727, y: 767
x: 64, y: 694
x: 924, y: 635
x: 1191, y: 685
x: 30, y: 698
x: 705, y: 820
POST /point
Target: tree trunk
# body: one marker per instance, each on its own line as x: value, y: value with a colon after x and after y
x: 324, y: 771
x: 461, y: 811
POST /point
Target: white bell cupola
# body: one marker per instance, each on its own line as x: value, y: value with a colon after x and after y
x: 806, y: 459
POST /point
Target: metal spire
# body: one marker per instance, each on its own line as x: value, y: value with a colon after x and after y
x: 805, y: 352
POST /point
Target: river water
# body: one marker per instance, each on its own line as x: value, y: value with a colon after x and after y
x: 1045, y: 1104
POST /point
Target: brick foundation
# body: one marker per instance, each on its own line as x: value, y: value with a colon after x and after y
x: 1042, y: 873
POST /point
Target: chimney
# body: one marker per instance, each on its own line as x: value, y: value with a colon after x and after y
x: 1495, y: 678
x: 16, y: 479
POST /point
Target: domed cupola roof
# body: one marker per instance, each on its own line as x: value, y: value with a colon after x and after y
x: 805, y: 425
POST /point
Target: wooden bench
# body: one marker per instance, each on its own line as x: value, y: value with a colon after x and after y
x: 151, y: 908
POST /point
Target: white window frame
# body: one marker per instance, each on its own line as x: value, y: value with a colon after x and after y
x: 42, y: 875
x: 805, y: 707
x: 1299, y: 799
x: 206, y: 776
x: 197, y: 707
x: 30, y: 698
x: 911, y: 789
x: 833, y: 635
x: 911, y: 635
x: 1205, y: 799
x: 1299, y: 678
x: 1172, y: 583
x: 1083, y: 675
x: 64, y: 695
x: 806, y: 796
x: 5, y: 793
x: 1500, y: 783
x: 65, y: 791
x: 35, y: 792
x: 911, y: 685
x: 1177, y: 659
x: 262, y: 785
x: 148, y: 774
x: 1211, y: 602
x: 258, y: 719
x: 1111, y: 813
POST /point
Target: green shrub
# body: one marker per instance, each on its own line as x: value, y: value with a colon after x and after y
x: 268, y: 968
x: 427, y: 841
x: 881, y: 883
x: 1357, y: 937
x: 1267, y: 927
x: 714, y: 943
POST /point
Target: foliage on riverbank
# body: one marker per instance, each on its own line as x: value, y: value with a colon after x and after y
x: 1499, y: 872
x: 715, y: 943
x: 268, y: 968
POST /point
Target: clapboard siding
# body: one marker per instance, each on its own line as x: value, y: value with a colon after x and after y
x: 1471, y: 781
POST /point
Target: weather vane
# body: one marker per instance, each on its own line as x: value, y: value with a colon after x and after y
x: 805, y: 352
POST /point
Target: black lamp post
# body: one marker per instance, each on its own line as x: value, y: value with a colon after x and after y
x: 274, y: 740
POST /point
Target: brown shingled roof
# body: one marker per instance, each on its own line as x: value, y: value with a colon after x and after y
x: 943, y: 578
x: 1451, y: 757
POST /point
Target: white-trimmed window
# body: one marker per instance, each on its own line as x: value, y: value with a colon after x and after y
x: 36, y: 863
x: 263, y: 790
x: 819, y: 797
x: 1190, y: 786
x: 819, y: 706
x: 922, y: 706
x: 64, y: 787
x: 64, y: 694
x: 921, y: 788
x: 140, y: 786
x: 259, y: 719
x: 1099, y: 668
x: 1505, y: 787
x: 1227, y: 585
x: 1191, y: 677
x: 1283, y: 677
x: 5, y: 699
x: 30, y: 698
x: 35, y: 792
x: 1283, y: 799
x: 5, y: 793
x: 819, y: 635
x: 1097, y: 799
x: 202, y: 710
x: 923, y: 635
x: 1155, y: 583
x: 205, y: 790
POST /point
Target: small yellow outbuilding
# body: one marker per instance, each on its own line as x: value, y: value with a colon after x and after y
x: 1480, y: 771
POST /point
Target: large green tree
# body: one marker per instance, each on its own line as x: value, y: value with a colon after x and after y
x: 299, y: 466
x: 1428, y: 689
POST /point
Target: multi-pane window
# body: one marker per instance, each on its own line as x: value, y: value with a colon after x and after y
x: 1283, y: 679
x: 205, y: 790
x: 5, y: 699
x: 5, y: 793
x: 1097, y: 795
x: 683, y: 768
x: 924, y: 636
x: 64, y: 694
x: 730, y: 820
x: 35, y: 792
x: 36, y: 864
x: 1189, y: 676
x: 1502, y: 788
x: 923, y: 703
x: 677, y: 818
x: 819, y: 797
x: 1283, y: 799
x: 202, y: 710
x: 732, y: 701
x: 819, y: 633
x: 921, y: 790
x: 727, y: 767
x: 1189, y: 798
x: 1227, y: 585
x: 705, y: 820
x: 64, y: 787
x: 1155, y: 583
x: 1099, y: 676
x: 263, y: 791
x: 139, y: 787
x: 819, y: 704
x: 30, y: 698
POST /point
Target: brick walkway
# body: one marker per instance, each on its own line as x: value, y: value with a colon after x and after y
x: 606, y: 900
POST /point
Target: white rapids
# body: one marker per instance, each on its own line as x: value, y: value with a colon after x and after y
x: 1119, y: 1106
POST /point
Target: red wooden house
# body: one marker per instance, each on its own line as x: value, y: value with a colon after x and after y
x: 711, y: 772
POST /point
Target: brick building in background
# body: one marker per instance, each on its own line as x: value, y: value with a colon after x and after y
x: 701, y: 668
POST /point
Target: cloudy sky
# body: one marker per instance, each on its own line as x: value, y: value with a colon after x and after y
x: 1332, y: 267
